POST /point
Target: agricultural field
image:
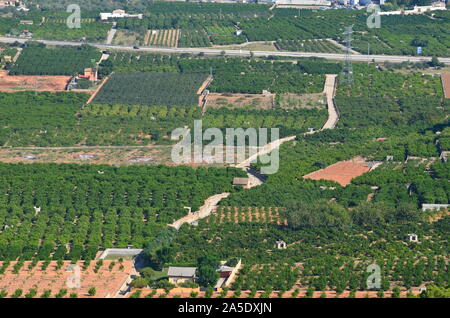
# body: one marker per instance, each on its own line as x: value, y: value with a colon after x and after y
x: 53, y: 25
x: 341, y: 172
x: 245, y: 101
x: 126, y: 205
x: 28, y: 118
x: 387, y: 98
x: 128, y: 38
x: 90, y: 31
x: 163, y: 89
x: 166, y: 38
x: 243, y: 214
x: 446, y: 84
x: 290, y: 123
x: 57, y: 61
x: 224, y: 35
x: 316, y: 259
x: 115, y: 156
x: 59, y: 119
x: 293, y: 101
x: 47, y: 279
x: 80, y: 175
x: 193, y: 38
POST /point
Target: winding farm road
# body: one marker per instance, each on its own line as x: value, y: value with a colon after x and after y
x: 254, y: 178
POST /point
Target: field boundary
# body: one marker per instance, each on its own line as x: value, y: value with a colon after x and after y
x: 98, y: 89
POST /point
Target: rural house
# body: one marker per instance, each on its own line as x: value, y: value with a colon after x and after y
x: 179, y: 275
x: 89, y: 74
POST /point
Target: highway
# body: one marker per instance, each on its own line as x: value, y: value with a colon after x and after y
x: 213, y: 51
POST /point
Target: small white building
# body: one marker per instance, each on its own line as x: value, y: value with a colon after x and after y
x: 180, y: 275
x: 119, y: 13
x: 444, y: 156
x: 432, y: 206
x: 281, y: 245
x: 303, y: 3
x: 413, y: 238
x: 435, y: 6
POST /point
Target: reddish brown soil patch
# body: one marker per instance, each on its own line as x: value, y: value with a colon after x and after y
x: 106, y: 282
x: 446, y: 84
x: 15, y: 83
x: 342, y: 172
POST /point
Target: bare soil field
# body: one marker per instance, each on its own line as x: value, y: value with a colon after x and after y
x: 235, y: 101
x: 341, y: 172
x: 115, y: 156
x: 106, y: 281
x: 446, y: 84
x: 89, y: 155
x: 17, y: 83
x: 293, y: 101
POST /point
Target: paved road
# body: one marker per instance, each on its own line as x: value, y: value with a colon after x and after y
x: 331, y: 56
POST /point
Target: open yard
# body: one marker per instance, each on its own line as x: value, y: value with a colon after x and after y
x: 14, y: 83
x: 245, y: 101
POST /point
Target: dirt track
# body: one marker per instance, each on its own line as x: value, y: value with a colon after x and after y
x: 330, y: 84
x: 203, y: 212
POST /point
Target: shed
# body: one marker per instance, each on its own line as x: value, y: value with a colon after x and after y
x: 179, y: 275
x: 413, y: 238
x: 281, y: 245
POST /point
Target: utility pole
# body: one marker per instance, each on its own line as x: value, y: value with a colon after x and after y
x: 347, y: 67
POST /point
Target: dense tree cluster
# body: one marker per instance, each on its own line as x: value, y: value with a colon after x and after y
x: 56, y: 61
x: 151, y: 89
x: 83, y: 208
